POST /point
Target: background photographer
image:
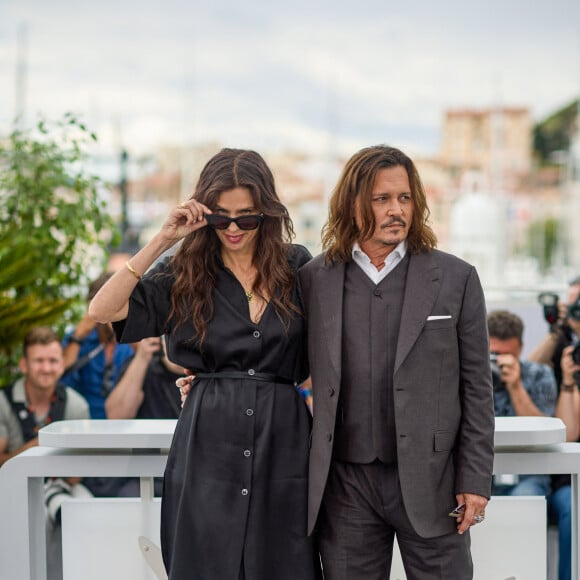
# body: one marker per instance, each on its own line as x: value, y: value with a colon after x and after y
x: 33, y: 401
x: 520, y: 388
x: 93, y: 358
x: 561, y: 350
x: 146, y: 387
x: 146, y: 390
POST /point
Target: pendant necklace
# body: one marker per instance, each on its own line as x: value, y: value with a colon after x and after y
x: 249, y: 293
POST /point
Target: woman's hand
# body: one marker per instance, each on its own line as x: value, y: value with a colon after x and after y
x: 184, y: 219
x: 184, y: 386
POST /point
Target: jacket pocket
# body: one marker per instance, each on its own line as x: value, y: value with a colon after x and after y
x: 438, y: 324
x: 443, y: 440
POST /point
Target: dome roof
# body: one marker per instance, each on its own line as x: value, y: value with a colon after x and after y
x: 475, y: 217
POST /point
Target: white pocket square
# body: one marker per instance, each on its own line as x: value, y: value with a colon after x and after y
x: 438, y: 317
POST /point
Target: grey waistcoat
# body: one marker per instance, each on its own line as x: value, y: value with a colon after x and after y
x: 365, y: 423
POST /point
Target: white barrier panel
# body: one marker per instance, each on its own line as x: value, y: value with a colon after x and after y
x: 138, y: 448
x: 510, y: 544
x: 100, y: 538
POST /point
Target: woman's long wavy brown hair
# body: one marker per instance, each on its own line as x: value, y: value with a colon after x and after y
x: 356, y: 181
x: 195, y: 264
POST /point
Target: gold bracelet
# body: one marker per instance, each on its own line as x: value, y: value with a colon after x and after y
x: 132, y: 270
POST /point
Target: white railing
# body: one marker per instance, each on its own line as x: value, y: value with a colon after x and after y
x: 138, y: 448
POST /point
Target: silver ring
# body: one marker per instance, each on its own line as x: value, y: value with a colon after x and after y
x: 478, y: 519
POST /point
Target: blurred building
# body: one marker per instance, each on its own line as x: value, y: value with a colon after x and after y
x: 496, y: 142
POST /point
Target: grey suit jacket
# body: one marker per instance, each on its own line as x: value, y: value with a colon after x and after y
x: 443, y: 394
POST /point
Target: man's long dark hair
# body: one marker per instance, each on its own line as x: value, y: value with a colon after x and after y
x: 195, y: 264
x: 356, y: 181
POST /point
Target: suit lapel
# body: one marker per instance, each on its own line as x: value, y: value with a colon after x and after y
x: 421, y: 291
x: 330, y: 298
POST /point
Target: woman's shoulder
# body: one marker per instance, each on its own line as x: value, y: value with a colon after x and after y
x: 298, y: 255
x: 161, y: 270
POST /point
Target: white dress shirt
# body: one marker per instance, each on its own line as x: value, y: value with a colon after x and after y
x: 391, y: 261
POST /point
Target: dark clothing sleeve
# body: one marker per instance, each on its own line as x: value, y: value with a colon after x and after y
x: 149, y: 306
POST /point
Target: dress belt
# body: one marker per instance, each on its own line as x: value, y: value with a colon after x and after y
x: 251, y: 375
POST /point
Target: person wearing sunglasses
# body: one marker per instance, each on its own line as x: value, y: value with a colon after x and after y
x: 235, y: 489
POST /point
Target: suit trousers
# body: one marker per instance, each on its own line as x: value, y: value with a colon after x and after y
x: 362, y: 511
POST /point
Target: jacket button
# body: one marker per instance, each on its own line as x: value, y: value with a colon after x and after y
x: 251, y: 372
x: 256, y: 334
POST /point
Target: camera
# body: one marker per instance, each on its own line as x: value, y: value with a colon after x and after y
x: 576, y: 354
x: 56, y: 491
x: 574, y: 311
x: 498, y: 384
x: 157, y: 354
x: 576, y: 359
x: 549, y: 301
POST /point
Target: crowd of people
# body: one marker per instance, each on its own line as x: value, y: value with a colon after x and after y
x: 406, y: 367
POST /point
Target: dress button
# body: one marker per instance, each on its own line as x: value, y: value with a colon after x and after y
x: 249, y: 412
x: 244, y: 491
x: 247, y: 453
x: 251, y: 372
x: 256, y: 334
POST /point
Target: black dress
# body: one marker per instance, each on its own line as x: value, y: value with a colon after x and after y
x: 235, y: 489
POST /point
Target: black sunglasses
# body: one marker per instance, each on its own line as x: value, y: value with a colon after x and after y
x: 244, y: 222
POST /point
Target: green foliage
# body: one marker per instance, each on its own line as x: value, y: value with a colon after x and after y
x: 53, y: 229
x: 554, y: 133
x: 543, y: 241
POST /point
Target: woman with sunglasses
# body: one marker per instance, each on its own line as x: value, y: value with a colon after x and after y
x: 235, y: 489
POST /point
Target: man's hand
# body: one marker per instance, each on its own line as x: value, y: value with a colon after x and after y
x: 5, y: 455
x: 569, y: 368
x: 147, y: 348
x: 474, y: 506
x: 84, y: 327
x: 510, y: 369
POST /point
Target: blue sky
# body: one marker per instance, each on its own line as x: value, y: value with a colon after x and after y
x: 301, y: 74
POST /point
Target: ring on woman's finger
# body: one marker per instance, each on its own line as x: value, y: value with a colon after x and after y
x: 478, y: 518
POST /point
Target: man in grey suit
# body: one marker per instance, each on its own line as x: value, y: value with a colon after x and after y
x: 403, y: 403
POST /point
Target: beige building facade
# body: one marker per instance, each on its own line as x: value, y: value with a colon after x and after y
x: 496, y: 142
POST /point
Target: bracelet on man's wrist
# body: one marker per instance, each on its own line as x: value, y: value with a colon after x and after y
x: 75, y: 339
x: 568, y: 387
